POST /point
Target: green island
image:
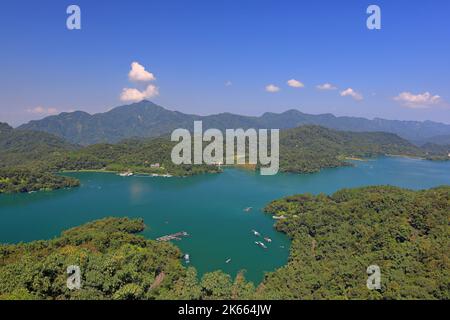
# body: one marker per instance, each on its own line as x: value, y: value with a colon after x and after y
x: 334, y: 239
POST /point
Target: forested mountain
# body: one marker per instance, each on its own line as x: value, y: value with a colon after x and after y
x: 20, y: 153
x: 146, y: 119
x: 22, y: 146
x: 334, y: 239
x: 312, y: 148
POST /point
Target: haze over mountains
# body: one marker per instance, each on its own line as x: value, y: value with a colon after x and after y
x: 146, y: 119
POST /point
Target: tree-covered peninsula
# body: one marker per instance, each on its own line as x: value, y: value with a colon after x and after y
x: 15, y: 180
x: 335, y: 238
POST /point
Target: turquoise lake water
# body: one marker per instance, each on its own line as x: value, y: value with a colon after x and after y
x: 209, y: 207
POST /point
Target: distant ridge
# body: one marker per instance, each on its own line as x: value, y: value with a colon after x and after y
x: 146, y: 119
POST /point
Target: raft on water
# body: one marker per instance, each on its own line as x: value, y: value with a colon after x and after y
x: 173, y: 236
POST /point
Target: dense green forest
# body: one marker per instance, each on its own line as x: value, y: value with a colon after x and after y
x: 22, y: 180
x: 116, y: 263
x: 311, y: 148
x: 334, y: 239
x: 137, y: 155
x: 304, y: 149
x: 22, y: 147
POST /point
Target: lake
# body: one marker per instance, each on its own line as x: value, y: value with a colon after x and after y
x: 209, y: 207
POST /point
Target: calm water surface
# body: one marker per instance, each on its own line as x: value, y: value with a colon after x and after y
x: 208, y: 207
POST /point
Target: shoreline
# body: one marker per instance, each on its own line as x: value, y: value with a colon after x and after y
x: 136, y: 173
x: 356, y: 159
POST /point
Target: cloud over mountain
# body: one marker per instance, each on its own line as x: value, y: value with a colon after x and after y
x: 135, y: 95
x: 42, y: 110
x: 418, y: 101
x: 349, y: 92
x: 139, y: 74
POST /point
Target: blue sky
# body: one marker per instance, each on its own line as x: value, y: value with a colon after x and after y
x: 195, y: 48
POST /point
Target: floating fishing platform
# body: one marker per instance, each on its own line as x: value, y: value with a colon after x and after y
x: 173, y: 236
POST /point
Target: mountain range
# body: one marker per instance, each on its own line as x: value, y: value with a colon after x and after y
x: 146, y: 119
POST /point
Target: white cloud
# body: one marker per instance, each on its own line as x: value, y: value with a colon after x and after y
x: 138, y: 73
x: 351, y: 93
x: 418, y: 101
x: 272, y: 88
x: 295, y: 83
x: 326, y: 86
x: 135, y: 95
x: 42, y: 110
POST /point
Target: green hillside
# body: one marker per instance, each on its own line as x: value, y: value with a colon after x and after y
x: 335, y: 238
x: 24, y: 146
x: 312, y: 148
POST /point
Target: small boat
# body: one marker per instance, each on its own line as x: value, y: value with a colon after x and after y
x: 262, y: 245
x: 248, y: 209
x: 267, y: 239
x: 126, y: 174
x: 256, y: 233
x: 186, y: 258
x: 228, y: 260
